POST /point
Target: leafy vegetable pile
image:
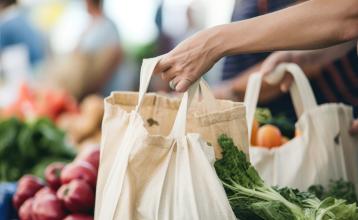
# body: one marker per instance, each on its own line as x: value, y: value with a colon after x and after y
x: 28, y: 147
x: 338, y: 189
x: 252, y: 199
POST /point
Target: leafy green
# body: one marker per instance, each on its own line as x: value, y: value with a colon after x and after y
x: 247, y: 192
x: 23, y: 145
x: 252, y: 199
x: 339, y: 189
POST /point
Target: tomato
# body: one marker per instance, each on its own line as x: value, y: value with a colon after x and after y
x: 269, y: 136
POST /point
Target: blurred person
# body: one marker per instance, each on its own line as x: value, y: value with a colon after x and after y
x: 95, y: 60
x: 16, y: 29
x: 314, y: 24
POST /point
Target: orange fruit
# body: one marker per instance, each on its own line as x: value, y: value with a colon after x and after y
x: 284, y: 140
x: 255, y: 127
x: 269, y: 136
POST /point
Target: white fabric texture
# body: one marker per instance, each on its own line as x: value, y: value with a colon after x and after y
x: 325, y: 151
x: 144, y: 176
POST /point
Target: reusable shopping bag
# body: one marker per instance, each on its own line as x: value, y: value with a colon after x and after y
x: 156, y: 163
x: 325, y: 151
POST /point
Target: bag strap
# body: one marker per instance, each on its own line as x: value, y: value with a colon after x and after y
x: 301, y: 92
x: 251, y: 98
x: 146, y: 72
x: 179, y: 125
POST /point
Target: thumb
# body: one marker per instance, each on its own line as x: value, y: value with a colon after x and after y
x: 286, y: 82
x: 183, y: 85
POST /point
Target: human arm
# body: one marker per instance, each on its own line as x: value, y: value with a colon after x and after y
x: 235, y: 88
x: 310, y: 61
x: 310, y: 25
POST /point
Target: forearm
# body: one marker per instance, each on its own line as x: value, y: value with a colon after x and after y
x: 310, y: 25
x: 315, y: 59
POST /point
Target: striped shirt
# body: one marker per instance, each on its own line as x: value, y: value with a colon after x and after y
x: 337, y: 81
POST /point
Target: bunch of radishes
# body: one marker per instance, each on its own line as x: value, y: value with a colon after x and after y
x: 69, y: 192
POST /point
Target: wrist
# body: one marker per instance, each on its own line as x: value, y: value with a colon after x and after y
x: 218, y: 41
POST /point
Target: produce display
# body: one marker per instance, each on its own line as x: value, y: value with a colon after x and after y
x: 34, y: 103
x: 29, y: 146
x: 271, y: 131
x: 83, y: 127
x: 68, y: 191
x: 252, y: 199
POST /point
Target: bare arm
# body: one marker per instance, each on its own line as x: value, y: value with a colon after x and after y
x: 310, y: 25
x: 235, y: 88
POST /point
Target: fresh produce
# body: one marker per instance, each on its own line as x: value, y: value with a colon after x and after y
x: 84, y: 125
x: 338, y: 189
x: 269, y: 136
x: 44, y: 191
x: 53, y: 175
x: 286, y: 126
x: 27, y: 187
x: 271, y: 131
x: 79, y: 170
x: 28, y: 147
x: 47, y: 207
x: 34, y: 103
x: 255, y: 128
x: 77, y: 196
x: 252, y: 199
x: 25, y: 212
x: 90, y: 155
x: 78, y: 217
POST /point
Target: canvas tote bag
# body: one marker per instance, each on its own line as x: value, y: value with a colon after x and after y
x: 147, y: 173
x: 325, y: 151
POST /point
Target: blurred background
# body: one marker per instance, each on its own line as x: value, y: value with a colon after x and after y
x: 94, y: 46
x: 69, y: 49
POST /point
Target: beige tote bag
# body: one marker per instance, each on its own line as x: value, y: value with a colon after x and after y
x: 325, y: 151
x: 150, y: 168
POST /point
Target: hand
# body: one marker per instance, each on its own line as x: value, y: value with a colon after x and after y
x: 274, y: 60
x: 190, y: 59
x: 354, y: 127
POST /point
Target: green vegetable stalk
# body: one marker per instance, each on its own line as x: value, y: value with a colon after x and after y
x: 252, y: 199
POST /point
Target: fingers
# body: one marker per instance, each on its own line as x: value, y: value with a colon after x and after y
x: 163, y: 65
x: 354, y: 128
x: 286, y: 82
x: 183, y: 84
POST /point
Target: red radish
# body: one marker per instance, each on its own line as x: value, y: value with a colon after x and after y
x: 47, y: 207
x: 27, y: 187
x: 78, y: 217
x: 79, y: 170
x: 53, y: 175
x: 45, y: 191
x: 77, y: 196
x: 91, y: 155
x: 25, y: 211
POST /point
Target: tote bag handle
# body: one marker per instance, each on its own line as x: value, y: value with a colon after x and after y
x: 179, y: 125
x: 301, y: 92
